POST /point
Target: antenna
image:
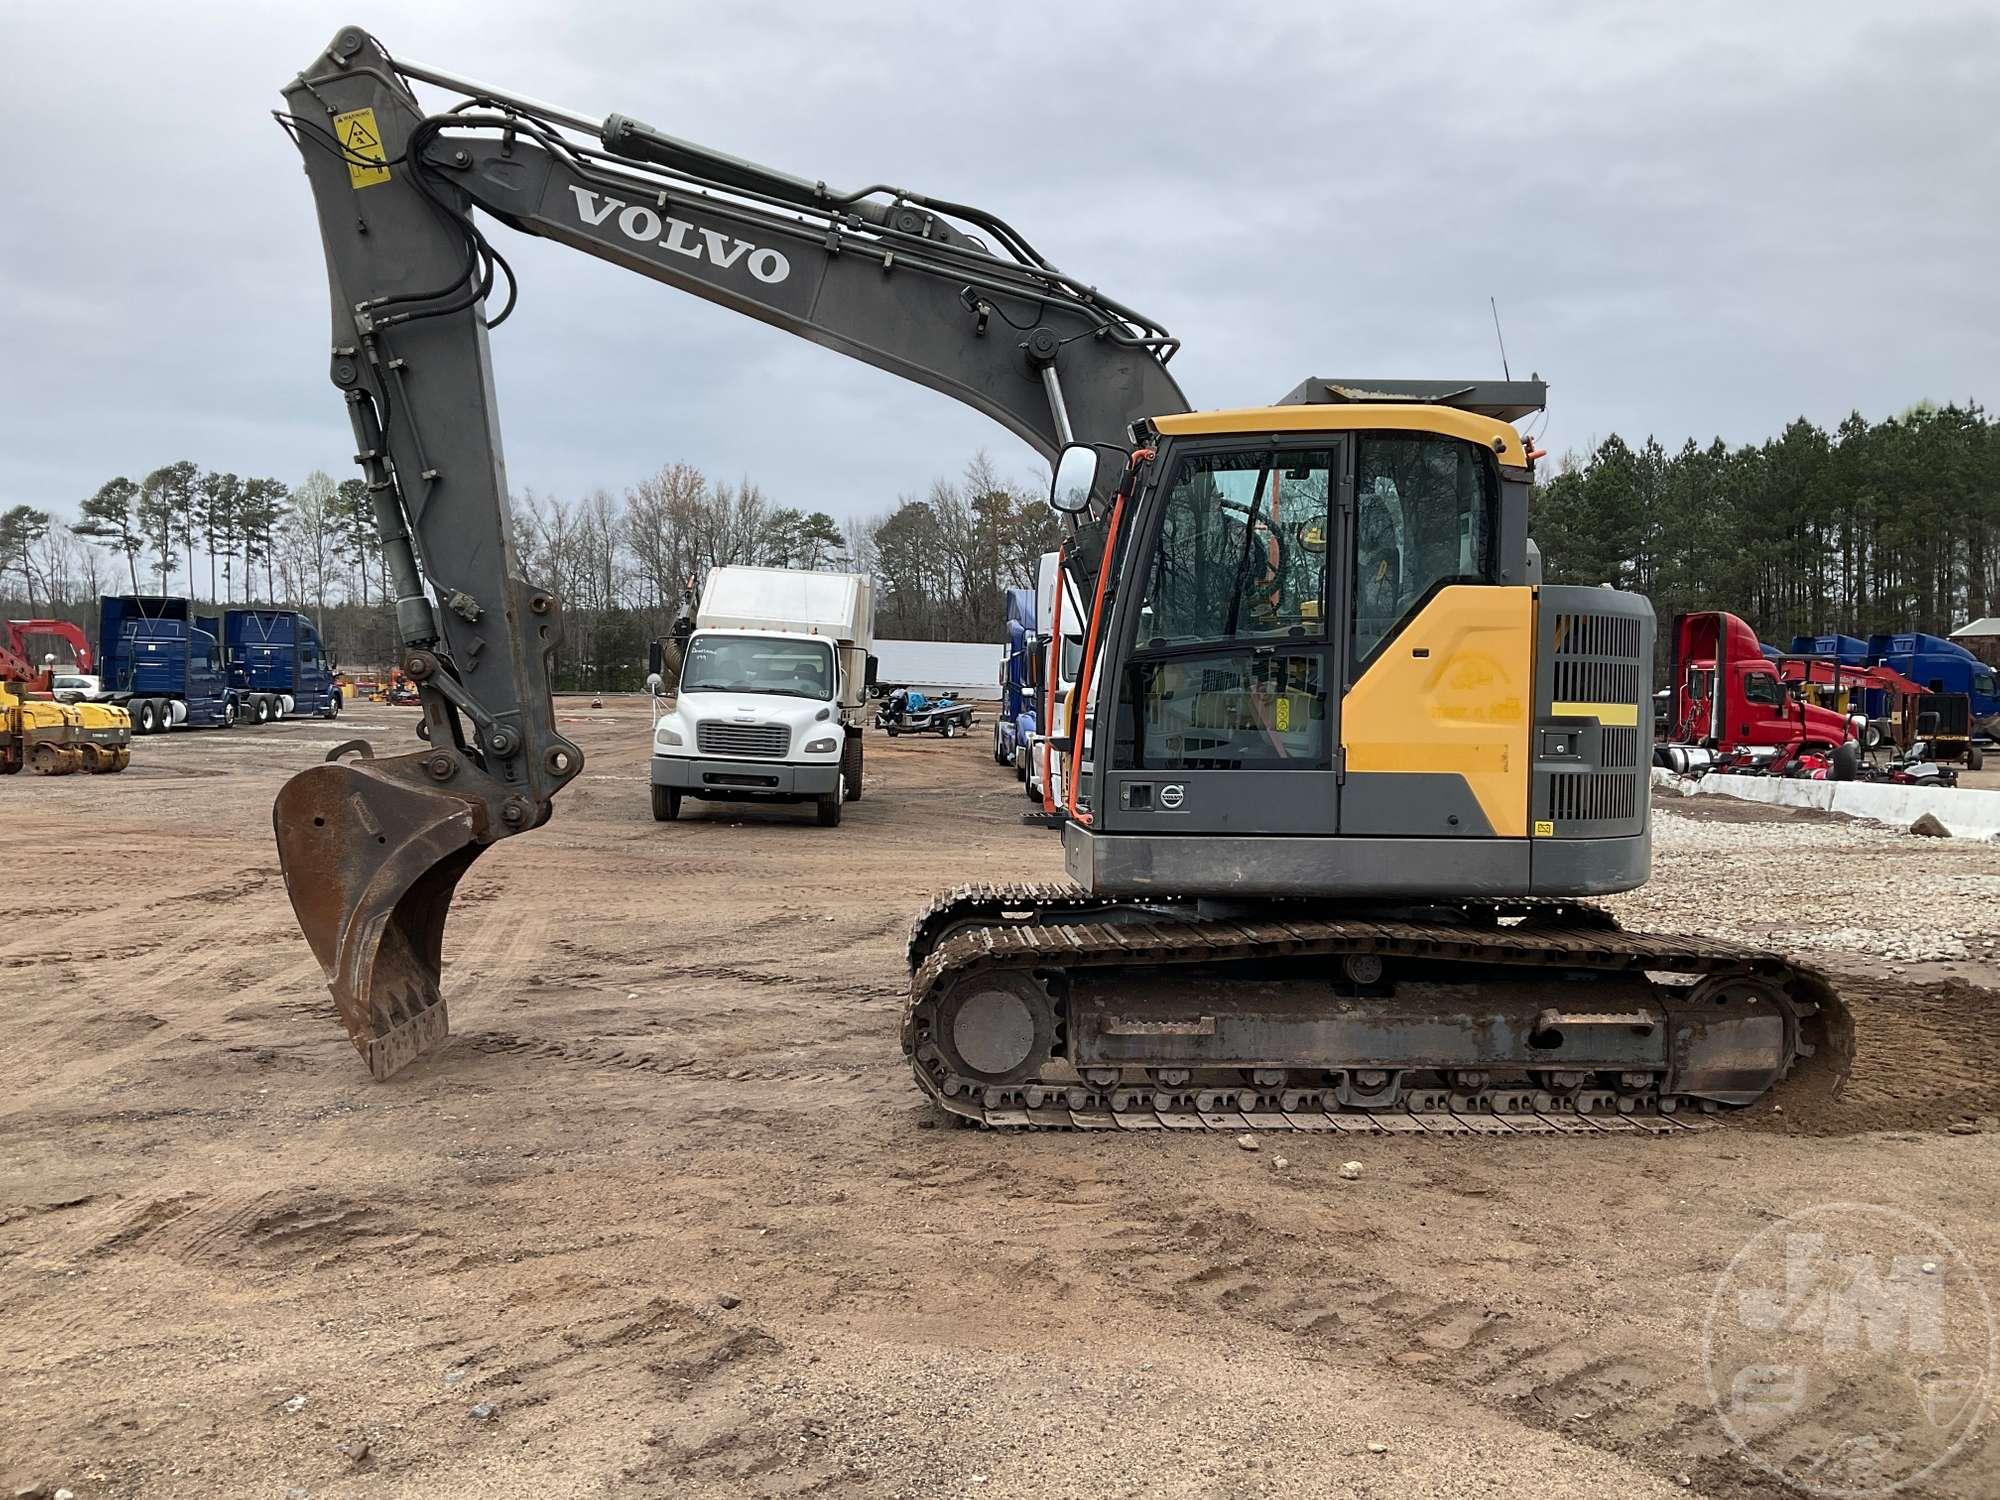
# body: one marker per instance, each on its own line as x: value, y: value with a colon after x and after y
x: 1509, y: 374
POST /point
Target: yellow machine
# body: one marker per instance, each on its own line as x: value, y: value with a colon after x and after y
x: 55, y: 739
x: 58, y: 739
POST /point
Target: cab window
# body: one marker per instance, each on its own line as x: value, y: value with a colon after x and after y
x: 1227, y: 711
x: 1229, y: 667
x: 1242, y: 550
x: 1762, y: 687
x: 1423, y: 518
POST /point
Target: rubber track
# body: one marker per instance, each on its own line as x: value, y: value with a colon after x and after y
x: 976, y: 926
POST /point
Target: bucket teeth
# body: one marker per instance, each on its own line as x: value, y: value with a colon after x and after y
x: 371, y: 852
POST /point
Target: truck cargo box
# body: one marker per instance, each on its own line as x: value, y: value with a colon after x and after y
x: 837, y: 605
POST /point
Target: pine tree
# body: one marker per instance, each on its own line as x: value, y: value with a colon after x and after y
x: 109, y: 517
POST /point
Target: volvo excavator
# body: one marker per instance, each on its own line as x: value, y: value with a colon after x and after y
x: 1352, y: 765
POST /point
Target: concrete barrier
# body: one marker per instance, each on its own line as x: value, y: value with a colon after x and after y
x: 1969, y: 814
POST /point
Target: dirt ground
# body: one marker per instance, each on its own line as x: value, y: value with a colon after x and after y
x: 668, y: 1216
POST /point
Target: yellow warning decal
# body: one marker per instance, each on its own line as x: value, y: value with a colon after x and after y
x: 1544, y: 829
x: 356, y: 131
x: 1284, y: 712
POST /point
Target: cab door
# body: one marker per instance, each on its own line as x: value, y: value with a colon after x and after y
x: 1763, y: 713
x: 1226, y: 714
x: 1438, y: 667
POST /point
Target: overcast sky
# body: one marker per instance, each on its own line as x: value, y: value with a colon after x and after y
x: 1698, y: 219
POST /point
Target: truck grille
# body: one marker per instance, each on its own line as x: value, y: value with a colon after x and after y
x: 744, y: 741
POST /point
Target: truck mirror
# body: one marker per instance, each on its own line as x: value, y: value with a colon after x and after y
x: 874, y: 666
x: 1033, y: 647
x: 1081, y: 477
x: 653, y: 660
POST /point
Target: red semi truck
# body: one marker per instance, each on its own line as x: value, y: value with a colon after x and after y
x: 1732, y: 699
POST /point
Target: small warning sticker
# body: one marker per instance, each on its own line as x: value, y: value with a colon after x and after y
x: 356, y: 131
x: 1545, y: 829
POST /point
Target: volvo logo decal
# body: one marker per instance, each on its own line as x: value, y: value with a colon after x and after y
x: 1172, y: 795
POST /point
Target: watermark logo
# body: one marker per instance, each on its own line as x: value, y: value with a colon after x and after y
x: 1850, y: 1349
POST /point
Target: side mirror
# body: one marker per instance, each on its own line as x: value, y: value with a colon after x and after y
x: 1077, y: 477
x: 873, y: 666
x: 653, y: 683
x: 655, y: 660
x: 1034, y: 647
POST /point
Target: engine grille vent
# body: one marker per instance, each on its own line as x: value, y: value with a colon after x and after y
x: 1621, y: 747
x: 747, y: 741
x: 1597, y: 659
x: 1594, y: 798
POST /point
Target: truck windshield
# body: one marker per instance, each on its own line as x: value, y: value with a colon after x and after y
x: 751, y: 664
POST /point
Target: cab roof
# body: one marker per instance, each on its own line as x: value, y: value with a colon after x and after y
x: 1451, y: 421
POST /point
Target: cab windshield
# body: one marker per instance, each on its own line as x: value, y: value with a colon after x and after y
x: 751, y: 664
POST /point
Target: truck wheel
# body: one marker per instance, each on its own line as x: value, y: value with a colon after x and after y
x: 1974, y: 757
x: 333, y: 706
x: 1846, y: 761
x: 260, y: 709
x: 894, y: 731
x: 829, y: 805
x: 850, y: 768
x: 999, y: 755
x: 666, y: 804
x: 144, y: 716
x: 228, y: 713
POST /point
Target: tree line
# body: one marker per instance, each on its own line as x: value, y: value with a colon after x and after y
x: 619, y: 561
x: 1875, y: 526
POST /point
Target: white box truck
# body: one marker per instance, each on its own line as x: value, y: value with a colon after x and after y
x: 768, y: 701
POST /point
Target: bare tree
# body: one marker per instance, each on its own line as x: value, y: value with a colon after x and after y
x: 307, y: 541
x: 655, y: 510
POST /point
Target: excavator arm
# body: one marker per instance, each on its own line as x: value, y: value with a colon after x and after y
x: 940, y: 293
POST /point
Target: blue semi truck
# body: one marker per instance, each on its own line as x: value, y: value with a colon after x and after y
x: 1942, y: 666
x: 171, y: 666
x: 278, y: 665
x: 1935, y: 664
x: 1014, y: 725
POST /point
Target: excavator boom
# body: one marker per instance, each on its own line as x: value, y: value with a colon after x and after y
x: 938, y: 292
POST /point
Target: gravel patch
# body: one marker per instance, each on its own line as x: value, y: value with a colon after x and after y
x: 1823, y: 886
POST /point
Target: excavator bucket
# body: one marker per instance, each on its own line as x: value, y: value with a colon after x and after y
x: 372, y: 850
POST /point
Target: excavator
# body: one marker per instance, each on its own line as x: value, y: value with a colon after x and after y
x: 1353, y: 769
x: 54, y: 738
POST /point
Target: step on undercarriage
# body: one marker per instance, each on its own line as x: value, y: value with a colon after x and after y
x: 1040, y: 1005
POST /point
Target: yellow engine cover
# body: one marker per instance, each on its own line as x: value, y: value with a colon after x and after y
x: 1454, y: 692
